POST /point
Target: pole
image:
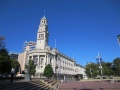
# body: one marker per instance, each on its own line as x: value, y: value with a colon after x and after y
x: 100, y: 67
x: 101, y: 72
x: 29, y: 70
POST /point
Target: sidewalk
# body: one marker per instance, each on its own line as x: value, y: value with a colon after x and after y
x: 89, y: 85
x: 82, y: 80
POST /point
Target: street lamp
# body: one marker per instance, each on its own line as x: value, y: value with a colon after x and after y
x: 118, y: 37
x: 99, y: 61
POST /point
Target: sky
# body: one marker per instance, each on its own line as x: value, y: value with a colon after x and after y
x: 82, y: 28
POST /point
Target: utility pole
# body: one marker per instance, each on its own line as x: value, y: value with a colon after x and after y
x: 99, y: 60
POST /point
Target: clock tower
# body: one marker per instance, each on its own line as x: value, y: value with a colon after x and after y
x: 42, y: 34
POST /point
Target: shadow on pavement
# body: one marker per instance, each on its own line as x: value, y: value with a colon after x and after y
x: 86, y: 89
x: 90, y: 89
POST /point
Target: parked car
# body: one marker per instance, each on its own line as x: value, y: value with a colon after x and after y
x: 98, y: 77
x: 2, y: 75
x: 20, y: 75
x: 104, y: 77
x: 85, y: 77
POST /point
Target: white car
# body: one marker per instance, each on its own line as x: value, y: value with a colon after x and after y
x: 85, y: 77
x: 20, y: 75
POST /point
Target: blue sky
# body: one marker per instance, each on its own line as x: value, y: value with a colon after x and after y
x: 80, y: 27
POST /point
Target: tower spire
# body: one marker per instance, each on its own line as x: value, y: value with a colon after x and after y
x: 55, y: 43
x: 44, y: 12
x: 98, y: 54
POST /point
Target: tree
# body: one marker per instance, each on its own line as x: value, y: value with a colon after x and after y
x: 116, y: 63
x: 5, y: 62
x: 48, y: 71
x: 1, y: 42
x: 31, y: 67
x: 92, y: 70
x: 4, y: 54
x: 5, y: 66
x: 15, y: 64
x: 107, y: 70
x: 3, y: 51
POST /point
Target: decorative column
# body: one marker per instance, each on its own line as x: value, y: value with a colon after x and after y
x: 38, y: 61
x: 54, y: 64
x: 44, y: 61
x: 48, y: 59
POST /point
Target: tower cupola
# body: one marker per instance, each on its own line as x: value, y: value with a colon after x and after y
x: 42, y: 34
x: 43, y: 21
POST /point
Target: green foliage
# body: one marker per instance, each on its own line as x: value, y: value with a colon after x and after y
x: 4, y: 54
x: 2, y: 42
x: 106, y: 68
x: 92, y: 70
x: 15, y: 64
x: 5, y: 62
x: 48, y: 71
x: 5, y: 66
x: 31, y: 67
x: 116, y: 63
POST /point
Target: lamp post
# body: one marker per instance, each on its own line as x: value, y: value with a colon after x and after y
x: 99, y: 60
x: 118, y: 37
x: 28, y: 71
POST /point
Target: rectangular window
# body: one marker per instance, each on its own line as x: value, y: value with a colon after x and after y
x: 41, y: 36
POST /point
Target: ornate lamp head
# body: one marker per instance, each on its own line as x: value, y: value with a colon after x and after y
x: 118, y: 37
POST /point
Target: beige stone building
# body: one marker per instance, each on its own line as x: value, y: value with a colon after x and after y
x: 43, y: 54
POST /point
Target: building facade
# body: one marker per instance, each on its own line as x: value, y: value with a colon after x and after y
x: 22, y: 57
x: 29, y: 46
x: 43, y: 54
x: 13, y: 55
